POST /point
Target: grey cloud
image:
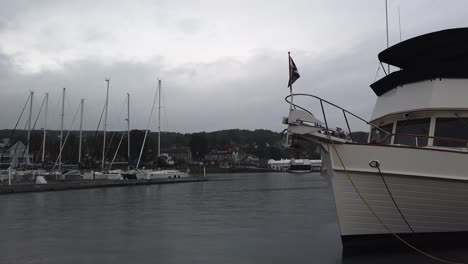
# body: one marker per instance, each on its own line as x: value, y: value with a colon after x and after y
x: 225, y: 93
x: 190, y: 25
x: 219, y: 95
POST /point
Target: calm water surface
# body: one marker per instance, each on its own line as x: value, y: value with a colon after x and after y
x: 239, y: 218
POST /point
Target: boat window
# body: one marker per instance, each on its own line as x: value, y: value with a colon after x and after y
x: 378, y: 136
x: 416, y: 127
x: 456, y: 128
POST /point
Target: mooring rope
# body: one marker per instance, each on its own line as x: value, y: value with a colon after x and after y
x: 378, y: 218
x: 391, y: 197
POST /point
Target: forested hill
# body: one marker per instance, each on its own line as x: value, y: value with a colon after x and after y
x: 264, y: 144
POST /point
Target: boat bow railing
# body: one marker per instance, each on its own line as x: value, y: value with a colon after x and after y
x: 323, y: 103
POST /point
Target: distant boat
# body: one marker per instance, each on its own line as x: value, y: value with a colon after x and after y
x: 295, y: 165
x: 300, y: 166
x: 161, y: 174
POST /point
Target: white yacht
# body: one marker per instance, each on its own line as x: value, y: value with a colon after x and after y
x: 410, y: 177
x: 300, y: 166
x: 161, y: 174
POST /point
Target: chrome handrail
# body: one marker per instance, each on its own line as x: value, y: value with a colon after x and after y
x: 287, y: 99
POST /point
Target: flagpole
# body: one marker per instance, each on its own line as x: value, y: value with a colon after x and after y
x: 290, y: 86
x: 292, y: 96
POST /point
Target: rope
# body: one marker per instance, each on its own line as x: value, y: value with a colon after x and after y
x: 378, y: 218
x: 66, y: 137
x: 393, y: 200
x: 34, y: 127
x: 116, y: 151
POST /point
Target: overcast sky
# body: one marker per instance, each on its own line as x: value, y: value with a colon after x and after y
x: 223, y: 64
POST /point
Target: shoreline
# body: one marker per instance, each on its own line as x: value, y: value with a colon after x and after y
x: 77, y: 185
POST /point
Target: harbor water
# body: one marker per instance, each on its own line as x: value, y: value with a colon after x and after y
x: 234, y: 218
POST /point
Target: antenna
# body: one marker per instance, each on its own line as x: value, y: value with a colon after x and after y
x: 386, y: 25
x: 399, y: 21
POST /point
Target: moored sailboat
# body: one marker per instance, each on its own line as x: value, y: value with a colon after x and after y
x: 157, y: 174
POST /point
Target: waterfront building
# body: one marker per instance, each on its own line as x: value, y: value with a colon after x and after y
x: 14, y: 155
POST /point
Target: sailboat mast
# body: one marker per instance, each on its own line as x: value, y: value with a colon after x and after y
x: 29, y: 123
x: 159, y: 120
x: 105, y: 128
x: 45, y: 127
x: 147, y: 129
x: 81, y: 131
x: 128, y: 131
x: 61, y: 129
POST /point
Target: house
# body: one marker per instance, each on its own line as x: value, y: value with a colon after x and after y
x: 179, y: 155
x: 251, y: 160
x: 224, y: 157
x: 14, y: 155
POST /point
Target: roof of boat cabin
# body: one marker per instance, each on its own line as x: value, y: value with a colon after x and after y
x: 445, y: 46
x: 441, y: 54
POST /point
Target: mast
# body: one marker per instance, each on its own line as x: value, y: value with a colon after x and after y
x: 386, y: 25
x: 105, y: 127
x: 61, y: 129
x: 81, y: 132
x: 45, y: 127
x: 147, y: 128
x: 29, y: 123
x: 159, y: 120
x: 128, y: 131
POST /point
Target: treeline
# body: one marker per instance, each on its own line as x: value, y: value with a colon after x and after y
x: 264, y: 144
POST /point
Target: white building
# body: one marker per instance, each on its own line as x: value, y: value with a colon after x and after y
x: 15, y: 155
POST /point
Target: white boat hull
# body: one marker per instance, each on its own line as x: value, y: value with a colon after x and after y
x: 163, y: 174
x: 426, y: 186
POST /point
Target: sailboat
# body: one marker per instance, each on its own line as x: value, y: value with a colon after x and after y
x: 157, y: 174
x: 106, y: 174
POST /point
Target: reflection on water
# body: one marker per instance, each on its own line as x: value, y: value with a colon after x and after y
x: 252, y: 218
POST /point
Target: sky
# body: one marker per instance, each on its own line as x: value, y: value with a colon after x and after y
x: 223, y: 64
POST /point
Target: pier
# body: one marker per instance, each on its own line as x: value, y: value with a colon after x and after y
x: 75, y: 185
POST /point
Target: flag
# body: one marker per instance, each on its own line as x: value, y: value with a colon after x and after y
x: 293, y: 73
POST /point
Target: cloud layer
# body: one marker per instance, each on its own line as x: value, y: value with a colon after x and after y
x: 223, y: 65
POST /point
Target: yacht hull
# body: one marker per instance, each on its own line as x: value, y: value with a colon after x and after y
x: 163, y: 174
x: 430, y: 195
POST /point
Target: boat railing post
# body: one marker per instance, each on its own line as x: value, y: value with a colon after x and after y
x: 347, y: 123
x: 324, y: 116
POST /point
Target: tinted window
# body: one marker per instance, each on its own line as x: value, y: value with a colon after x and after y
x: 451, y: 128
x: 413, y: 127
x: 381, y: 137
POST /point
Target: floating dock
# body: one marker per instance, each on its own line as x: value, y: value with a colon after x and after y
x: 75, y: 185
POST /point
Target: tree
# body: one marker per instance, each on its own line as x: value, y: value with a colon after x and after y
x: 198, y: 145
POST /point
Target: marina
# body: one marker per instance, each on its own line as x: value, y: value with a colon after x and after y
x: 234, y: 132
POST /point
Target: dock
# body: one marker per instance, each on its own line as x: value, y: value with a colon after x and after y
x: 76, y: 185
